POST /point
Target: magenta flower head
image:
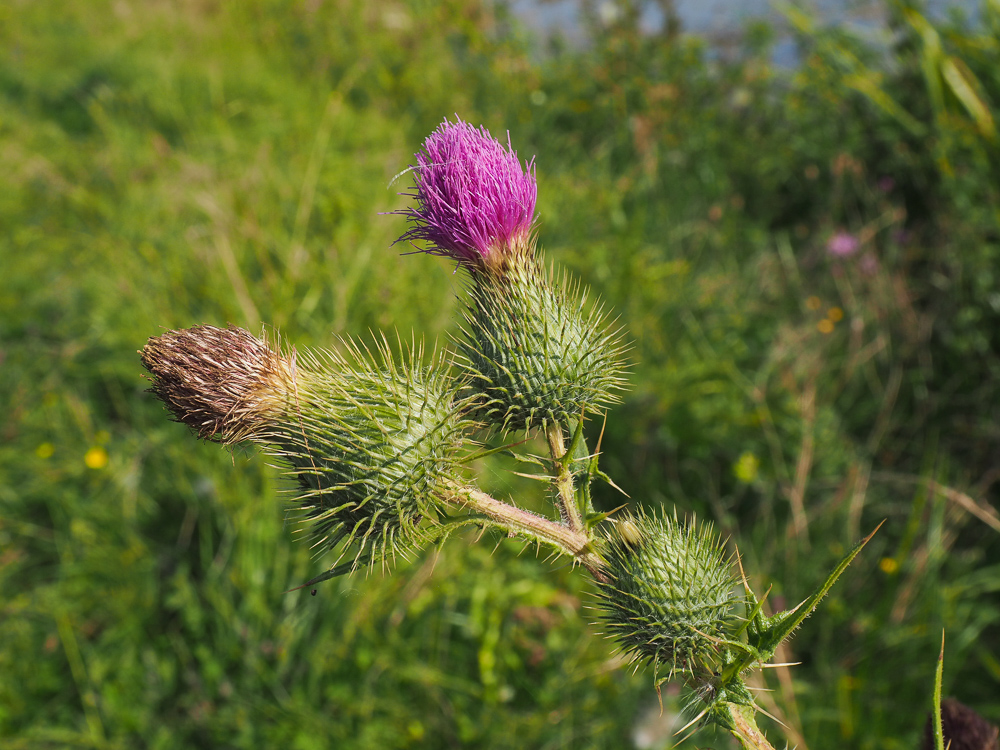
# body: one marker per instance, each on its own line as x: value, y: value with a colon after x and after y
x: 842, y: 245
x: 475, y: 202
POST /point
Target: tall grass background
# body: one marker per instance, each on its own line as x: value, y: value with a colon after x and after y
x: 171, y: 163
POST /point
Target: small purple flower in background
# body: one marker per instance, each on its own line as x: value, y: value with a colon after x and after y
x: 842, y: 245
x: 886, y: 184
x: 475, y: 202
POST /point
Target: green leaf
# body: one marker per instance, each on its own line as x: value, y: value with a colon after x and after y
x: 593, y: 519
x: 867, y: 84
x: 938, y: 678
x: 780, y: 626
x: 336, y: 570
x: 505, y: 449
x: 576, y: 446
x: 930, y: 57
x: 965, y: 86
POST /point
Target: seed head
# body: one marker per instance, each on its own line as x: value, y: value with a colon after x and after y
x: 963, y: 729
x: 368, y: 439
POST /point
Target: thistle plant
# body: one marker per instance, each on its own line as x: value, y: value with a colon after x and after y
x: 374, y: 442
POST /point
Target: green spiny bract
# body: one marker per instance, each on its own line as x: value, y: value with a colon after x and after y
x: 370, y: 443
x: 369, y: 440
x: 669, y: 595
x: 533, y: 352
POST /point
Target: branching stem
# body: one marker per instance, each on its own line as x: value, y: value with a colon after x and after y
x: 576, y: 544
x: 568, y: 507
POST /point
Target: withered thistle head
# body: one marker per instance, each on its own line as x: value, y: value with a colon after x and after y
x: 223, y: 383
x: 963, y: 729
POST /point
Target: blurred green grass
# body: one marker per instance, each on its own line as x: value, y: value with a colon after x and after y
x: 174, y: 163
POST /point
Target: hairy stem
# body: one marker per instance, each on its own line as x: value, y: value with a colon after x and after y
x: 746, y: 731
x: 568, y: 507
x: 574, y: 543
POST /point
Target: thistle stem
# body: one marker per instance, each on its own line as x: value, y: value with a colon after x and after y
x: 574, y: 543
x: 568, y: 508
x: 746, y: 731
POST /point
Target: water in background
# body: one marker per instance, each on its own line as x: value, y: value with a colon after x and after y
x: 722, y: 21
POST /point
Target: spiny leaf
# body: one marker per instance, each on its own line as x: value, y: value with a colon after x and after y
x: 938, y: 679
x: 777, y: 628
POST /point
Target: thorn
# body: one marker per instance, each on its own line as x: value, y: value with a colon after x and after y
x: 688, y: 725
x: 874, y: 531
x: 772, y: 717
x: 743, y: 575
x: 600, y: 438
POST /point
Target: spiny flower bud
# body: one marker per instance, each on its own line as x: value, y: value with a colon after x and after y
x: 475, y: 203
x: 533, y: 351
x: 669, y: 593
x: 368, y: 440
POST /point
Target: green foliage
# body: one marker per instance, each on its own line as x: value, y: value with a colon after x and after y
x: 178, y: 163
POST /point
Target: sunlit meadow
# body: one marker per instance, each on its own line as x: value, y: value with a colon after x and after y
x: 804, y: 260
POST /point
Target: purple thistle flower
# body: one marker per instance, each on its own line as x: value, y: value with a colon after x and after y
x: 842, y: 245
x: 475, y: 203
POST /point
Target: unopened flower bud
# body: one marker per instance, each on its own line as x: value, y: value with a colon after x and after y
x: 669, y: 592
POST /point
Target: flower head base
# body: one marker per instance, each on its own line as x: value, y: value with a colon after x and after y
x: 670, y: 593
x: 475, y: 202
x: 533, y: 351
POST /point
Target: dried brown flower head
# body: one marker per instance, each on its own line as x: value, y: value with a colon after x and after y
x: 221, y: 382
